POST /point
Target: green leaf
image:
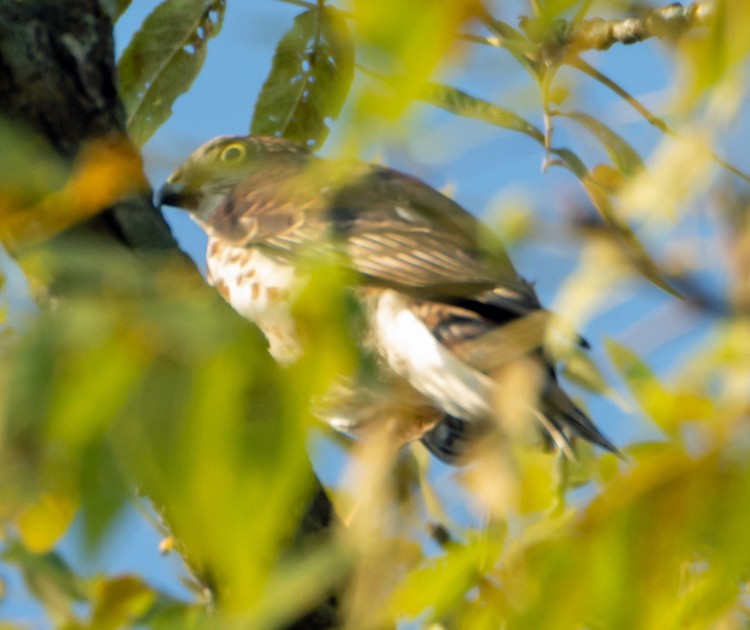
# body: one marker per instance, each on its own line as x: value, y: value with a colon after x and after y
x: 622, y: 154
x: 462, y: 104
x: 642, y: 382
x: 597, y: 184
x: 667, y: 408
x: 49, y: 579
x: 442, y: 583
x: 163, y: 59
x: 103, y: 492
x: 45, y: 521
x: 580, y: 368
x: 119, y: 601
x: 312, y: 70
x: 309, y: 576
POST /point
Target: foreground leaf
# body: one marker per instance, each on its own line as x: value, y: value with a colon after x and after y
x: 120, y: 600
x: 43, y: 523
x: 462, y: 104
x: 311, y: 74
x: 620, y: 151
x: 163, y: 59
x: 667, y: 408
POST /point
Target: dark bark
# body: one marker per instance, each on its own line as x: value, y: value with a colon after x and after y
x: 58, y: 80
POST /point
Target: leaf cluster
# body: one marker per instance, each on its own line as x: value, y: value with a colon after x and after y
x: 141, y: 384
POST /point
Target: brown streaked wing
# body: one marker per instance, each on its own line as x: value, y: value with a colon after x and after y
x: 400, y: 232
x: 397, y: 255
x: 397, y: 231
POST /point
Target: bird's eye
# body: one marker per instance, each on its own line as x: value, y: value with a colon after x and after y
x: 233, y: 153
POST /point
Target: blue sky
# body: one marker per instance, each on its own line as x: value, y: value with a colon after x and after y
x: 483, y: 166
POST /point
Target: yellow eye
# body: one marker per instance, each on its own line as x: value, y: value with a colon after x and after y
x: 233, y: 153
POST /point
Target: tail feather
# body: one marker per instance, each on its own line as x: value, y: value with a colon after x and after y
x: 561, y: 420
x: 565, y: 416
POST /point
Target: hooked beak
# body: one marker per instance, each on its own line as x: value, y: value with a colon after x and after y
x: 176, y: 194
x: 171, y: 194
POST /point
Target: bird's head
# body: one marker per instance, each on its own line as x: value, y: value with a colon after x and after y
x: 204, y: 180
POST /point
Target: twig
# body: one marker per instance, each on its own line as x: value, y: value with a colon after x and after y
x: 651, y: 118
x: 599, y: 34
x: 586, y: 68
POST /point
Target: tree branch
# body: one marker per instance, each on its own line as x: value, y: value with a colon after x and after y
x: 668, y: 22
x: 58, y: 80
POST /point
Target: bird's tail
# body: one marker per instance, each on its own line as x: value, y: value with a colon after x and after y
x: 563, y: 421
x: 453, y: 439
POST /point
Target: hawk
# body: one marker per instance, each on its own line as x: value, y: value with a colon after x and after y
x: 443, y: 305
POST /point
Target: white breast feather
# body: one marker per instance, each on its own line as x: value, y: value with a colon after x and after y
x: 407, y: 345
x: 412, y: 351
x: 259, y: 288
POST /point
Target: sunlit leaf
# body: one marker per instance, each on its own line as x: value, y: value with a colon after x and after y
x: 601, y: 273
x: 553, y: 8
x: 599, y: 191
x: 651, y: 395
x: 42, y: 523
x: 620, y: 151
x: 163, y: 59
x: 679, y: 170
x: 312, y: 71
x: 580, y: 368
x: 608, y: 467
x: 300, y: 584
x: 462, y: 104
x: 442, y: 584
x: 30, y: 168
x: 104, y: 172
x: 583, y: 468
x: 666, y: 407
x: 712, y: 54
x: 406, y: 40
x: 536, y: 473
x: 119, y: 601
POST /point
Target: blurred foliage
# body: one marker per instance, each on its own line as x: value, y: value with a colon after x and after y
x: 140, y: 384
x: 147, y: 386
x: 49, y: 195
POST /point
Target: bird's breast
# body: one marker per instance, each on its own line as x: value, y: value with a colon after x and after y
x: 411, y: 350
x: 260, y: 288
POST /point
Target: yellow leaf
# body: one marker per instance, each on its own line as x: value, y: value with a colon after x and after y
x: 120, y: 601
x: 665, y: 407
x: 43, y: 523
x: 105, y: 171
x: 536, y: 475
x: 442, y: 584
x: 610, y: 179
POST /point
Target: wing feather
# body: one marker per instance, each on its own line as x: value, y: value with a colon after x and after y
x: 396, y: 231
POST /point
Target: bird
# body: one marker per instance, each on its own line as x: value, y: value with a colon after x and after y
x: 444, y: 308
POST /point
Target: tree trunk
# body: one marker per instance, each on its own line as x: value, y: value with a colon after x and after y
x: 58, y: 80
